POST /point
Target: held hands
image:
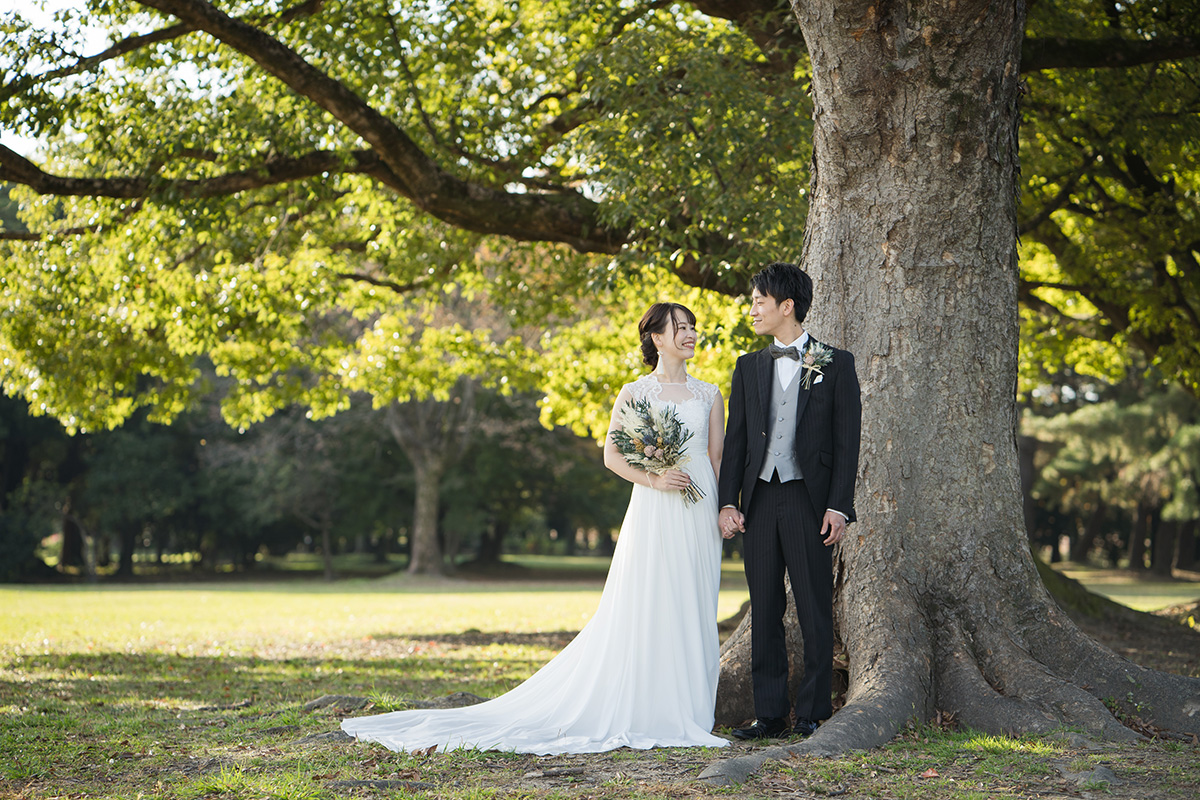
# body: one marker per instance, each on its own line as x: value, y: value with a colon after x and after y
x: 730, y: 521
x: 671, y: 480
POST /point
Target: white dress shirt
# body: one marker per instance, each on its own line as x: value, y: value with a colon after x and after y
x: 786, y: 368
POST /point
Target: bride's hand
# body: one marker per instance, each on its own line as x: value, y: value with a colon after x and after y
x: 671, y: 480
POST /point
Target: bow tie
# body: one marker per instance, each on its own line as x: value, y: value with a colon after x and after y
x: 784, y: 352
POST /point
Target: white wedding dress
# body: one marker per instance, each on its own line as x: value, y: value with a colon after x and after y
x: 643, y: 672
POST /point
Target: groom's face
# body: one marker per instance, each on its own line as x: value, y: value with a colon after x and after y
x: 767, y: 316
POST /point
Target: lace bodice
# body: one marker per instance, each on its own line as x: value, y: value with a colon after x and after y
x: 692, y: 401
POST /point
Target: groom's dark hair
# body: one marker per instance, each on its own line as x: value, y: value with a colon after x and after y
x: 785, y: 281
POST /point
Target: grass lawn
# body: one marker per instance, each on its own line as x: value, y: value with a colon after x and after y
x: 197, y: 690
x: 1141, y: 592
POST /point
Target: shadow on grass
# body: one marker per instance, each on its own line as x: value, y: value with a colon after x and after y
x: 175, y: 687
x: 554, y: 640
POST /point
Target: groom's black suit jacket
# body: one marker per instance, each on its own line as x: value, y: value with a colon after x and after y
x: 828, y: 425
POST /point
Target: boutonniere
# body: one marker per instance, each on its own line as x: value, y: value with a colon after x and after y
x: 815, y: 357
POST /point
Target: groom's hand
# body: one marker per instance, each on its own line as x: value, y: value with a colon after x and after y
x: 730, y: 521
x: 832, y: 527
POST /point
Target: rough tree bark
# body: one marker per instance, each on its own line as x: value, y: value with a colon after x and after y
x: 911, y: 241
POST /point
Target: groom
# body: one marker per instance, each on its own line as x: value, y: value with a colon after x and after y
x: 787, y: 482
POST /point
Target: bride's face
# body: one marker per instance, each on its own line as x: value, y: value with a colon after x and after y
x: 678, y: 339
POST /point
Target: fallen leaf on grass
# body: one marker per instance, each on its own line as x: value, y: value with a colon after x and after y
x: 930, y: 773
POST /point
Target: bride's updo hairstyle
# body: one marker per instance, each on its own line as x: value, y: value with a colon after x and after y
x: 656, y: 320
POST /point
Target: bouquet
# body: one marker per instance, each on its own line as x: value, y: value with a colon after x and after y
x: 653, y: 441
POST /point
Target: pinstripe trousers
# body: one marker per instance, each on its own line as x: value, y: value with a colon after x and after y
x: 783, y: 531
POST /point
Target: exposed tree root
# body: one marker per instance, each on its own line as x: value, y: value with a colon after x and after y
x: 976, y: 704
x: 1021, y: 675
x: 993, y: 683
x: 1172, y: 701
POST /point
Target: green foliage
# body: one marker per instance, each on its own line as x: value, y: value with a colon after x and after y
x: 1124, y: 453
x: 586, y: 363
x: 518, y: 480
x: 701, y: 139
x: 1109, y: 206
x: 307, y: 290
x: 9, y: 209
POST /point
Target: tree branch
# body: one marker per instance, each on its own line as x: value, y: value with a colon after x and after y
x: 127, y: 45
x: 1060, y: 200
x: 770, y: 24
x: 133, y: 43
x: 398, y: 288
x: 567, y: 217
x: 1095, y: 328
x: 1114, y: 53
x: 16, y: 168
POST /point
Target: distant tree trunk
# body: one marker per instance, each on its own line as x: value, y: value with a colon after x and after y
x: 161, y: 540
x: 451, y: 540
x: 128, y: 544
x: 433, y: 434
x: 1162, y: 556
x: 911, y: 242
x: 425, y: 555
x: 491, y: 542
x: 1083, y: 545
x: 327, y: 546
x: 1187, y: 546
x: 102, y: 550
x: 72, y: 542
x: 382, y: 545
x: 1141, y: 532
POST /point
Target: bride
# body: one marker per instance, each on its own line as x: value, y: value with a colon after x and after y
x: 643, y: 672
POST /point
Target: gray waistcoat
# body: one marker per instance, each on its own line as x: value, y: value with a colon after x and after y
x: 781, y: 432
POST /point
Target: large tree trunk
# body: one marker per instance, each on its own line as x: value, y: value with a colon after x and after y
x: 911, y: 242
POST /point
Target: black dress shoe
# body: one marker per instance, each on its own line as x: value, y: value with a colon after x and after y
x: 805, y: 727
x: 763, y: 729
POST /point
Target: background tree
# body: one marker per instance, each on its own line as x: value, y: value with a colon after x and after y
x: 32, y: 451
x: 523, y: 480
x: 1108, y: 211
x: 1136, y: 455
x: 139, y: 486
x: 324, y: 152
